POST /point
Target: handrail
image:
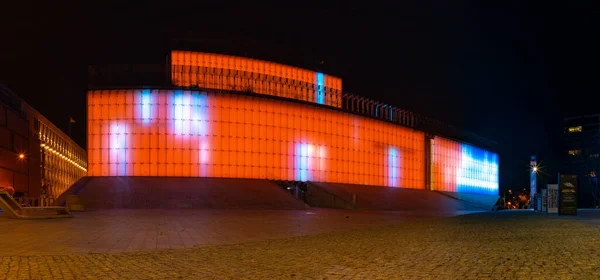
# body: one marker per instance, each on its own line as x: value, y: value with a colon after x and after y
x: 313, y: 185
x: 36, y: 201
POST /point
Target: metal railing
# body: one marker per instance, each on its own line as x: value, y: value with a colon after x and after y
x: 36, y: 201
x: 294, y: 188
x: 319, y: 197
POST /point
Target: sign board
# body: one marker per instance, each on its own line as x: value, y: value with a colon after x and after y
x: 567, y: 195
x: 552, y: 198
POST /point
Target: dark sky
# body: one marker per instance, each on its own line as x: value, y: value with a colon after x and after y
x: 509, y: 70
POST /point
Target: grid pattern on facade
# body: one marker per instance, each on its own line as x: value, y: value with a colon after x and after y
x: 147, y: 132
x: 216, y: 71
x: 459, y: 167
x: 63, y: 162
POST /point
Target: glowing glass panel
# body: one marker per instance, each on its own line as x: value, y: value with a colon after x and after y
x: 196, y: 69
x: 463, y: 168
x: 189, y: 113
x: 146, y: 102
x: 118, y: 149
x: 478, y: 172
x: 320, y: 88
x: 393, y: 167
x: 195, y: 133
x: 310, y: 162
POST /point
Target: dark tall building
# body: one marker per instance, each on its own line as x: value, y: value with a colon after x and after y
x: 581, y: 156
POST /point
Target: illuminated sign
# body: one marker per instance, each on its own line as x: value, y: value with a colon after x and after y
x: 567, y: 195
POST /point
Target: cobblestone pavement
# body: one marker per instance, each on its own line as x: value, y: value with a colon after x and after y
x: 501, y: 245
x: 123, y: 230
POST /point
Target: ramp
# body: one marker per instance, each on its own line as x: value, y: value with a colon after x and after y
x: 14, y: 210
x: 397, y: 199
x: 183, y: 193
x: 74, y: 189
x: 478, y: 200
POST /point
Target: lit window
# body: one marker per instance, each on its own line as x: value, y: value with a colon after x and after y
x: 593, y: 174
x: 575, y: 129
x: 574, y: 152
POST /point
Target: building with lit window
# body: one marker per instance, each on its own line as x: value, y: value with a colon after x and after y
x: 581, y: 156
x: 34, y: 152
x: 213, y: 115
x: 62, y: 161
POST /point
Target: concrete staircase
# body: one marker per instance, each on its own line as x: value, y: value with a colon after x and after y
x: 181, y: 193
x: 396, y: 199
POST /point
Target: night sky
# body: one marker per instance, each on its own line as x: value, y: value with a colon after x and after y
x: 508, y: 71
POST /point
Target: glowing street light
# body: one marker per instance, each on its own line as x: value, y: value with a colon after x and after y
x: 21, y: 156
x: 533, y: 181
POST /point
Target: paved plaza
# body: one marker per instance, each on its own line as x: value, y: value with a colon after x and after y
x: 314, y: 244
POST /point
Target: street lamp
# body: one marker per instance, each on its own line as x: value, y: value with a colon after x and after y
x: 534, y: 168
x: 21, y: 156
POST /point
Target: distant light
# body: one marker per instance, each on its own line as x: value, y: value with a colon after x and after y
x: 21, y: 156
x: 535, y: 169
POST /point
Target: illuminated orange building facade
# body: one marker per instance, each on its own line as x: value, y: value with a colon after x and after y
x: 192, y: 133
x: 226, y: 116
x: 224, y: 72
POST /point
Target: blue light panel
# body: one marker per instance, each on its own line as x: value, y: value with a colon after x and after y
x: 393, y: 167
x: 146, y: 106
x: 478, y: 172
x: 320, y: 88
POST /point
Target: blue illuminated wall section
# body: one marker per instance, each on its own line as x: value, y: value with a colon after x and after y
x: 309, y: 159
x: 459, y: 167
x: 393, y: 167
x: 478, y: 172
x: 189, y: 113
x: 320, y: 88
x: 146, y: 106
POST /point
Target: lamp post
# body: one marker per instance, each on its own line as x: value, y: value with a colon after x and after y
x: 533, y: 181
